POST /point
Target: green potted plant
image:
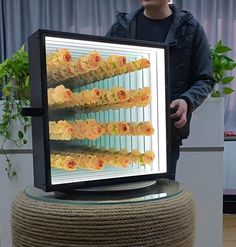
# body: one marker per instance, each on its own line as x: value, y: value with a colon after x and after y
x: 222, y: 64
x: 14, y: 85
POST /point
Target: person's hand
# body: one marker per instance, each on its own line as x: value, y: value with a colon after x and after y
x: 181, y: 107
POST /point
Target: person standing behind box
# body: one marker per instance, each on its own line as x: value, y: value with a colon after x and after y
x: 190, y: 64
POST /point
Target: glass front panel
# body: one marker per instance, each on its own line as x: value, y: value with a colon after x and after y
x: 107, y: 110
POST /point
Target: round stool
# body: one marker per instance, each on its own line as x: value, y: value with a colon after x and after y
x: 158, y: 221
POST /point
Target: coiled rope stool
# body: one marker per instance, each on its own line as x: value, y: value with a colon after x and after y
x: 163, y: 222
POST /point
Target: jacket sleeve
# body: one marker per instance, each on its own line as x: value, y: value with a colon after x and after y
x: 202, y: 81
x: 115, y: 30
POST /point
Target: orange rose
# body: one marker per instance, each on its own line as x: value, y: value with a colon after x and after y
x: 133, y: 128
x: 110, y: 159
x: 95, y: 163
x: 79, y: 132
x: 134, y: 155
x: 50, y: 99
x: 109, y: 97
x: 96, y: 92
x: 122, y: 161
x: 123, y: 128
x: 56, y: 161
x: 144, y: 63
x: 118, y: 61
x: 72, y: 68
x: 112, y: 128
x: 64, y: 55
x: 61, y: 94
x: 64, y: 129
x: 146, y: 128
x: 84, y: 160
x: 69, y: 164
x: 97, y: 129
x: 131, y: 67
x: 67, y: 94
x: 123, y: 151
x: 120, y: 94
x: 82, y: 65
x: 78, y: 158
x: 143, y: 103
x: 94, y: 59
x: 148, y: 157
x: 94, y: 95
x: 145, y: 93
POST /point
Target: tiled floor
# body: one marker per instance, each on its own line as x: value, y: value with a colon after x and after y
x: 230, y: 230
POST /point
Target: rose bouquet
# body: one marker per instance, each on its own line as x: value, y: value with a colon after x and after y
x: 89, y: 68
x: 96, y: 159
x: 99, y: 99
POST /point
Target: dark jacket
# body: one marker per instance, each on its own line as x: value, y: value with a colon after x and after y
x: 190, y: 62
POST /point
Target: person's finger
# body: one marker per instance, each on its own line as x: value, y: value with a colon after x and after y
x: 181, y: 122
x: 174, y: 103
x: 178, y: 113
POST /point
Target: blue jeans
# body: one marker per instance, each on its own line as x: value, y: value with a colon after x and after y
x: 173, y: 160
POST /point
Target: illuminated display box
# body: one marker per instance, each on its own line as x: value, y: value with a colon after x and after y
x: 99, y: 110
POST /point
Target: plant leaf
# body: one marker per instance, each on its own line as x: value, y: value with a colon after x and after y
x: 228, y: 90
x: 227, y: 80
x: 27, y: 81
x: 20, y: 134
x: 222, y: 49
x: 230, y: 66
x: 215, y: 94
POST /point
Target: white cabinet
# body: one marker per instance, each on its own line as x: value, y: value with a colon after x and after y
x: 10, y: 188
x: 200, y: 169
x: 230, y: 165
x: 22, y: 160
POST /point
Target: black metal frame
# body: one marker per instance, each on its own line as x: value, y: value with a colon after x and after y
x: 39, y: 110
